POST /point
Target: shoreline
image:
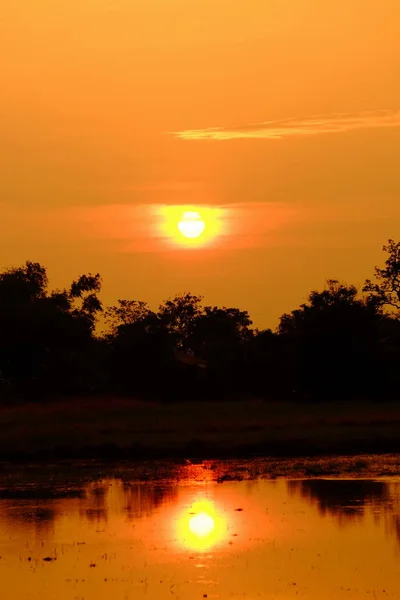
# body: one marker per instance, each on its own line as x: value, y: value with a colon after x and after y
x: 199, y: 451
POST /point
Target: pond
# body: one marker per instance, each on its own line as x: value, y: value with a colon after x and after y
x: 206, y: 530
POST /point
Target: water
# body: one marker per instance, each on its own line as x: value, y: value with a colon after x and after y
x: 172, y: 531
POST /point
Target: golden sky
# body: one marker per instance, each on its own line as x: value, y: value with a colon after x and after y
x: 281, y: 116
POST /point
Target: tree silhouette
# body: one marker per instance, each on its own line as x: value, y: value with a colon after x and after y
x: 178, y: 315
x: 333, y: 340
x: 218, y: 330
x: 125, y: 313
x: 141, y: 349
x: 44, y: 335
x: 23, y: 284
x: 337, y: 344
x: 386, y: 291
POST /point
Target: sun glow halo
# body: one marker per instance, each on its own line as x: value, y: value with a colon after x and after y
x: 201, y: 527
x: 191, y: 226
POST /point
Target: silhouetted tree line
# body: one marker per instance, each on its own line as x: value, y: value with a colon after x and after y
x: 339, y: 344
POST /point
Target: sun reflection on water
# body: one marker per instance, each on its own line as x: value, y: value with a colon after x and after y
x: 201, y: 526
x: 190, y: 537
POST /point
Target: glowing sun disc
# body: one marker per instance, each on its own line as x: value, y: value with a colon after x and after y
x: 202, y: 525
x: 191, y: 225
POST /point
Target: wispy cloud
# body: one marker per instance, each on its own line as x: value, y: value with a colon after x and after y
x: 293, y: 127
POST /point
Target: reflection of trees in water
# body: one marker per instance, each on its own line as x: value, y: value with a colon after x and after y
x: 95, y: 515
x: 34, y: 507
x: 39, y: 517
x: 142, y: 500
x: 348, y: 500
x: 340, y: 497
x: 115, y: 496
x: 36, y: 497
x: 94, y: 502
x: 40, y: 506
x: 396, y: 525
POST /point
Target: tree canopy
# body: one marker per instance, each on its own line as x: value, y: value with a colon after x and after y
x: 385, y: 291
x: 339, y: 343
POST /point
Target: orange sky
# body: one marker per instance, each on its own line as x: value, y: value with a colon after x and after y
x: 106, y: 110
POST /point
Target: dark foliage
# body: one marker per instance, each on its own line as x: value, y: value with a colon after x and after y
x: 338, y: 344
x: 46, y: 339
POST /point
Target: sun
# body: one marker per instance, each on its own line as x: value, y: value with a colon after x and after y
x: 202, y: 525
x: 191, y: 225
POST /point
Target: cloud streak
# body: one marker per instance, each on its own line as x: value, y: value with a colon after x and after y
x: 296, y: 127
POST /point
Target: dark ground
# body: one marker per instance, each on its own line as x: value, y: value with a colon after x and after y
x: 118, y: 429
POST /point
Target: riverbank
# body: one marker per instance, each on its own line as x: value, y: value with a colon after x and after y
x: 118, y: 428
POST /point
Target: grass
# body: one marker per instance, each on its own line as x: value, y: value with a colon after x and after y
x: 227, y: 428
